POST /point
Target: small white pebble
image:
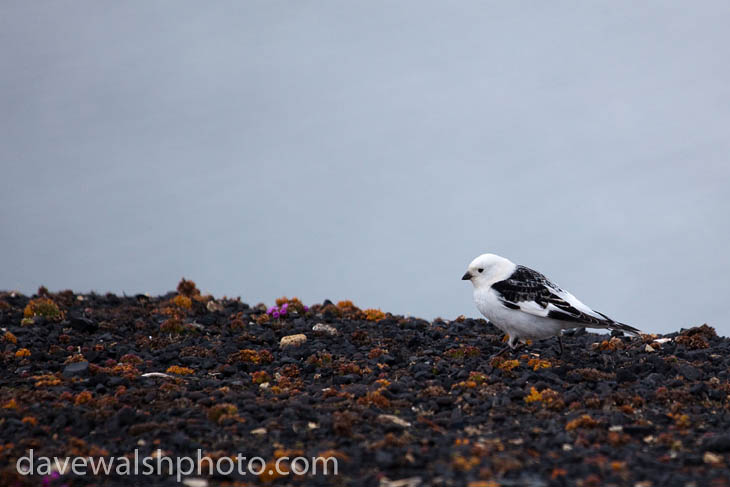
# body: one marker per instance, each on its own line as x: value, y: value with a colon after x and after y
x: 157, y: 374
x: 195, y: 482
x: 293, y: 340
x: 711, y: 458
x: 259, y: 431
x: 648, y: 348
x: 324, y: 328
x: 394, y: 419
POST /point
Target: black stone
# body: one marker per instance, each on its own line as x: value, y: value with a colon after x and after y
x: 76, y: 369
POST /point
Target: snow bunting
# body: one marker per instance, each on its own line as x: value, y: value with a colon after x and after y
x: 526, y: 305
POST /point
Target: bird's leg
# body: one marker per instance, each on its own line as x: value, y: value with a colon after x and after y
x: 560, y: 342
x: 500, y: 353
x: 510, y: 346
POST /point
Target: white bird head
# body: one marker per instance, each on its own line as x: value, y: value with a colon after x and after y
x: 487, y: 269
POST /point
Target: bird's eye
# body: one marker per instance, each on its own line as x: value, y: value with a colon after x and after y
x: 480, y: 270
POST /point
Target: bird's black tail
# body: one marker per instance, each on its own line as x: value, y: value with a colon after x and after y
x: 615, y: 325
x: 624, y: 328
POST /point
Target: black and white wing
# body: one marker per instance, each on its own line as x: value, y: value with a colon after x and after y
x: 531, y: 292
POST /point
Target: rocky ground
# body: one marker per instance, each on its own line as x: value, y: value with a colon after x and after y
x: 399, y: 401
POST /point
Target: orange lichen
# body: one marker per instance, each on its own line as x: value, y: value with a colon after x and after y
x: 334, y: 453
x: 558, y: 472
x: 682, y: 421
x: 477, y: 377
x: 375, y: 398
x: 176, y: 369
x: 538, y: 364
x: 236, y: 321
x: 11, y: 404
x: 467, y: 384
x: 220, y: 412
x: 172, y: 325
x: 294, y: 304
x: 614, y: 343
x: 273, y: 470
x: 345, y: 309
x: 9, y: 337
x: 30, y: 420
x: 260, y: 377
x: 290, y: 370
x: 502, y: 364
x: 46, y: 380
x: 187, y: 288
x: 182, y: 301
x: 345, y: 367
x: 460, y: 462
x: 584, y: 421
x: 252, y: 356
x: 552, y: 400
x: 23, y: 352
x: 131, y: 358
x: 128, y: 371
x: 533, y: 396
x: 696, y: 338
x: 44, y: 307
x: 320, y: 359
x: 374, y: 315
x: 616, y: 438
x: 376, y: 352
x: 83, y: 397
x: 593, y: 402
x: 465, y: 351
x: 77, y: 357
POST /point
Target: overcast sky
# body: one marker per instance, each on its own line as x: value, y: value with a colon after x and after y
x: 369, y: 150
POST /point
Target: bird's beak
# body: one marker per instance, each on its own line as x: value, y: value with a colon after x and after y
x: 466, y: 276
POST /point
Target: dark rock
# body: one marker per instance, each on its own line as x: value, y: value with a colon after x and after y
x: 76, y: 369
x: 126, y: 416
x: 625, y: 375
x: 82, y: 324
x: 719, y: 443
x: 689, y: 372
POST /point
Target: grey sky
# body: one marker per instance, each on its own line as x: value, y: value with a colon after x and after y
x: 369, y: 150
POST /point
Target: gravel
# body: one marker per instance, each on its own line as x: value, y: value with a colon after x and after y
x: 397, y: 400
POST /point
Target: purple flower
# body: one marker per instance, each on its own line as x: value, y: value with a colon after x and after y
x: 46, y: 482
x: 306, y: 308
x: 284, y: 308
x: 275, y: 314
x: 272, y: 310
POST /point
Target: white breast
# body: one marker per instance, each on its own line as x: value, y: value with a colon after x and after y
x: 514, y: 322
